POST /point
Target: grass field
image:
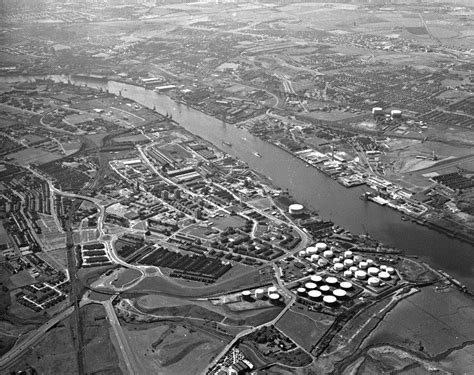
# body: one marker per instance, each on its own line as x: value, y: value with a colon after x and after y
x: 161, y: 285
x: 99, y: 354
x: 126, y: 276
x: 411, y: 323
x: 34, y: 155
x: 172, y: 348
x: 302, y: 329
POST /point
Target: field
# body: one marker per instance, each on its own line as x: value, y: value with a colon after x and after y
x: 302, y: 329
x: 34, y: 155
x: 55, y: 354
x: 228, y: 221
x: 172, y: 348
x: 159, y: 284
x: 410, y: 324
x: 126, y: 276
x: 99, y: 355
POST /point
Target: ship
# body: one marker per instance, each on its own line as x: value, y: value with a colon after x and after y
x: 227, y: 143
x: 257, y: 154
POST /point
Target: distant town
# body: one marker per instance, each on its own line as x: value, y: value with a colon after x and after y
x: 143, y: 228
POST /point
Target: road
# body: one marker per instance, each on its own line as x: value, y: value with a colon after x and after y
x: 247, y: 332
x: 10, y: 357
x: 124, y: 346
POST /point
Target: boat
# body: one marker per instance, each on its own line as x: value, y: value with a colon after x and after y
x: 257, y: 154
x: 227, y: 143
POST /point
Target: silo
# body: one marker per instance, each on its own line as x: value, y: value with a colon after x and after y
x: 373, y: 271
x: 301, y: 291
x: 338, y: 267
x: 246, y: 295
x: 374, y: 281
x: 274, y: 297
x: 348, y: 263
x: 271, y: 289
x: 330, y: 300
x: 316, y: 279
x: 324, y: 289
x: 328, y: 254
x: 339, y: 293
x: 259, y: 293
x: 321, y: 246
x: 314, y: 295
x: 311, y: 250
x: 346, y: 285
x: 322, y: 262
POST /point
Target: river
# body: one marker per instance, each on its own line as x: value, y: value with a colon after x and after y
x: 312, y: 188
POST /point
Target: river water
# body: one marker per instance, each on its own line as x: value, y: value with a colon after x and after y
x: 311, y: 187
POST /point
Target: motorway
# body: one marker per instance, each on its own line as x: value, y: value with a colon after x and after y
x: 10, y: 357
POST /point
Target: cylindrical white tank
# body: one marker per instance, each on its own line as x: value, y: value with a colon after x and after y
x: 274, y: 297
x: 329, y: 300
x: 301, y: 291
x: 361, y: 275
x: 363, y: 265
x: 310, y: 285
x: 374, y: 281
x: 321, y: 246
x: 384, y: 275
x: 314, y: 258
x: 246, y: 294
x: 339, y: 293
x: 311, y: 250
x: 314, y: 294
x: 322, y: 262
x: 302, y: 253
x: 353, y: 269
x: 259, y: 293
x: 348, y: 254
x: 295, y: 209
x: 390, y: 270
x: 370, y: 262
x: 324, y: 288
x: 331, y: 280
x: 348, y: 273
x: 373, y: 271
x: 383, y: 267
x: 357, y: 258
x: 272, y: 289
x: 346, y: 285
x: 316, y: 279
x: 338, y: 267
x: 337, y: 259
x: 328, y: 254
x: 348, y: 263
